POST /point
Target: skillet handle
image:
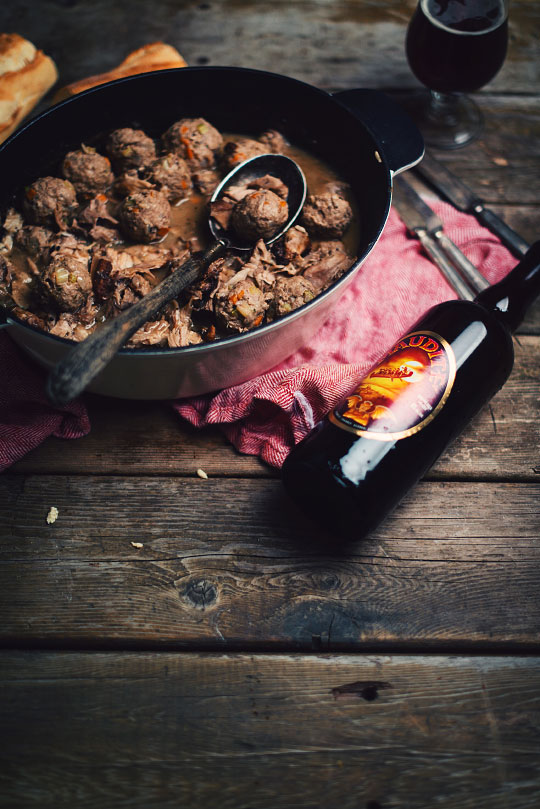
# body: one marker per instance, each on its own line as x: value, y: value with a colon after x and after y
x: 399, y: 139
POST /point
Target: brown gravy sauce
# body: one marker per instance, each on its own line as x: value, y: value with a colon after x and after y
x: 189, y: 217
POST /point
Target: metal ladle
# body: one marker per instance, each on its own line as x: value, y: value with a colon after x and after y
x: 86, y: 359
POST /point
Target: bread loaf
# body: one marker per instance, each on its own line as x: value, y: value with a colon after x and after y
x: 25, y: 76
x: 155, y: 56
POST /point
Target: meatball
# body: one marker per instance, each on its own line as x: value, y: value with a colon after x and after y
x: 145, y: 216
x: 327, y: 215
x: 67, y: 282
x: 50, y: 201
x: 171, y: 175
x: 34, y: 240
x: 292, y: 292
x: 241, y: 307
x: 89, y: 172
x: 195, y: 140
x: 273, y: 141
x: 240, y: 149
x: 259, y: 215
x: 130, y: 149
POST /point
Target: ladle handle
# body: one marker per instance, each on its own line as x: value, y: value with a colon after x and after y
x: 85, y: 360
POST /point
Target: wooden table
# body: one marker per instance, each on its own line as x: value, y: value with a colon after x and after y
x: 228, y: 661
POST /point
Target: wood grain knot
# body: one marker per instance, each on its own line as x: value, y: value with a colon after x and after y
x: 367, y: 689
x: 201, y: 593
x: 329, y: 582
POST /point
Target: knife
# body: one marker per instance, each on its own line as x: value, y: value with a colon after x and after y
x: 456, y: 192
x: 427, y: 218
x: 404, y: 202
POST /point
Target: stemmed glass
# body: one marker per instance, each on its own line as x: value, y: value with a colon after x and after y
x: 454, y: 47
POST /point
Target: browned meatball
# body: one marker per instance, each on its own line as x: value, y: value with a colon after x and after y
x: 240, y: 149
x: 195, y: 140
x: 130, y: 149
x: 171, y: 175
x: 89, y: 172
x: 34, y: 240
x: 259, y: 215
x: 273, y: 141
x: 67, y: 282
x: 327, y: 215
x: 240, y: 307
x: 292, y: 292
x: 50, y: 201
x: 145, y: 216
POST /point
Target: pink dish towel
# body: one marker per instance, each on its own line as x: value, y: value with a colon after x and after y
x: 267, y: 415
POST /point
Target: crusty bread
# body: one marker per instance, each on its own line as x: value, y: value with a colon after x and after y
x: 25, y: 76
x: 155, y: 56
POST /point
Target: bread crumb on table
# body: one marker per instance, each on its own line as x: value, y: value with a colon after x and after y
x: 202, y: 474
x: 137, y: 545
x: 52, y: 516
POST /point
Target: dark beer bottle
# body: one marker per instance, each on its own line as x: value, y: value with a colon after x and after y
x: 355, y: 466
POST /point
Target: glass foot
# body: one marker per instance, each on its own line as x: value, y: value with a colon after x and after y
x: 446, y: 121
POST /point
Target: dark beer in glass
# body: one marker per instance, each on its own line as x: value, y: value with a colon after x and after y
x: 450, y: 51
x: 454, y: 47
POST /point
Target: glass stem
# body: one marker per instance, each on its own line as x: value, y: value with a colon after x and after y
x: 443, y: 108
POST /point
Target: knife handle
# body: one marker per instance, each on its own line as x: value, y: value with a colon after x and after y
x: 466, y: 267
x: 508, y: 237
x: 448, y: 270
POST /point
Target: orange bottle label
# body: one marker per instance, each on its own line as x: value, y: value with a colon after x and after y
x: 403, y: 393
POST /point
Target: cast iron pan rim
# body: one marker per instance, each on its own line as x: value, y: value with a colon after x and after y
x: 245, y: 336
x: 155, y: 76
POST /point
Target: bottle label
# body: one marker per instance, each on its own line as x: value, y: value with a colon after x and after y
x: 403, y: 393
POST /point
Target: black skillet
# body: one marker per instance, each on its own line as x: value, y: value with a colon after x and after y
x: 364, y: 136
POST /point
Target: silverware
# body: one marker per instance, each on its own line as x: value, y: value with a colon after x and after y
x: 456, y: 192
x: 426, y: 217
x: 406, y: 205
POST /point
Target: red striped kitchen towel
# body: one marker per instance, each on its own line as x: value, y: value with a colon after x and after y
x: 396, y: 285
x: 268, y: 415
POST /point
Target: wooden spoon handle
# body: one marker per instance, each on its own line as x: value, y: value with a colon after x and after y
x: 85, y: 360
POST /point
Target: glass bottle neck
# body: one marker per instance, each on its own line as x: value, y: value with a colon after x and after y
x: 511, y: 297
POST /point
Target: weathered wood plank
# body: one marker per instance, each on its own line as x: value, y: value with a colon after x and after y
x: 525, y: 220
x: 327, y: 43
x: 229, y: 563
x: 149, y: 438
x: 502, y: 165
x: 269, y: 732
